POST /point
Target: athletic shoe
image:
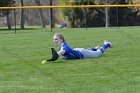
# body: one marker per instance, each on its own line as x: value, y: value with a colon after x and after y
x: 106, y: 42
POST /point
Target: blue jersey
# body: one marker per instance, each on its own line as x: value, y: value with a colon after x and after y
x: 70, y: 53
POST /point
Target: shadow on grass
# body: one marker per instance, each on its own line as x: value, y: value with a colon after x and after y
x: 5, y: 29
x: 62, y: 61
x: 18, y: 30
x: 67, y: 60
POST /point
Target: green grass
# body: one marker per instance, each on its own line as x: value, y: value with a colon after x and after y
x: 117, y: 71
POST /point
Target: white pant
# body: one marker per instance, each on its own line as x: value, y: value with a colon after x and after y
x: 89, y: 53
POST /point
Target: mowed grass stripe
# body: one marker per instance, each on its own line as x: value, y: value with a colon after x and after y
x: 116, y: 71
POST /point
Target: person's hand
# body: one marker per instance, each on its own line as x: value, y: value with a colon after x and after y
x: 54, y: 55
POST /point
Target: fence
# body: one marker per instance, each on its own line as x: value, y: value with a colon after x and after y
x: 32, y: 18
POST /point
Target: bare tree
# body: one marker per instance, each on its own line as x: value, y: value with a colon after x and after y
x: 40, y: 14
x: 52, y: 21
x: 22, y: 16
x: 8, y: 21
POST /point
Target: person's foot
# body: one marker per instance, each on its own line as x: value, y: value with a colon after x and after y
x: 106, y: 42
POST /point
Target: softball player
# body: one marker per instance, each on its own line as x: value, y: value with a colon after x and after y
x: 66, y: 52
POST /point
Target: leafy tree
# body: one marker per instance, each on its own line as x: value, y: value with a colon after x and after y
x: 122, y: 16
x: 81, y: 17
x: 96, y: 16
x: 4, y: 3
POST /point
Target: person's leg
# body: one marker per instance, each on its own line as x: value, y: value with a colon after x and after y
x: 105, y: 46
x: 89, y: 53
x: 94, y: 49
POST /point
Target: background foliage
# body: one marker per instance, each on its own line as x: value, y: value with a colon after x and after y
x: 4, y: 3
x: 96, y: 16
x: 78, y: 17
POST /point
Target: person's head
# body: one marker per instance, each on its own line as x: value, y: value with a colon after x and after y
x: 58, y: 39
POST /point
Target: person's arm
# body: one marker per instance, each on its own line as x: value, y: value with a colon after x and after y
x: 61, y: 52
x: 54, y: 55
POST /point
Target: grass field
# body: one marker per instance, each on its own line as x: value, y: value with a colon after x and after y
x: 117, y: 71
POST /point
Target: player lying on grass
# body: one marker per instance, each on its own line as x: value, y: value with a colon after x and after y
x: 66, y: 52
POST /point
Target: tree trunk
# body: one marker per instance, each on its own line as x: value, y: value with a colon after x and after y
x: 22, y: 21
x: 40, y: 14
x: 8, y: 22
x: 52, y: 22
x: 106, y: 17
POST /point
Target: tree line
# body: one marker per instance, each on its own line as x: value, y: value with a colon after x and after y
x: 75, y: 17
x: 27, y: 16
x: 100, y: 17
